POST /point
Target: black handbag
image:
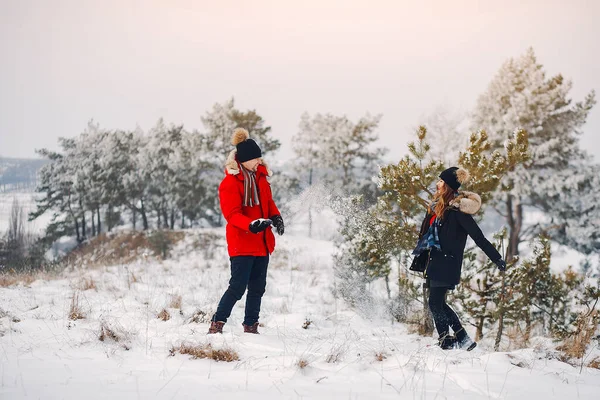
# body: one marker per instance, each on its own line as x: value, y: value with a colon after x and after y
x: 419, y: 263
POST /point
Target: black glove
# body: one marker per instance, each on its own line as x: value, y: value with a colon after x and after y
x: 259, y: 225
x: 278, y: 224
x: 501, y: 264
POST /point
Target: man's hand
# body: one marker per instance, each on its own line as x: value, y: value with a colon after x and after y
x: 278, y: 224
x: 501, y: 264
x: 259, y: 225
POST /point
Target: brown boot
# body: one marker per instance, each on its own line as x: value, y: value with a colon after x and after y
x: 216, y: 327
x: 251, y: 328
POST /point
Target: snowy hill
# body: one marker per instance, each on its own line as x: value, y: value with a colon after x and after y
x: 49, y: 352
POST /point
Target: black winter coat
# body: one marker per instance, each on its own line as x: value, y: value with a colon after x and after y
x: 458, y: 222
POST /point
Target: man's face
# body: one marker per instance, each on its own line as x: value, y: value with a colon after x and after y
x: 252, y: 165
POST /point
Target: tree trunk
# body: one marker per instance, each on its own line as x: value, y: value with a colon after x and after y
x: 99, y: 219
x: 479, y: 330
x: 93, y: 225
x: 182, y: 221
x: 77, y: 230
x: 387, y: 286
x: 72, y: 214
x: 133, y: 217
x: 83, y: 227
x: 165, y: 216
x: 144, y: 216
x: 514, y: 210
x: 172, y: 218
x: 527, y: 326
x: 551, y: 321
x: 501, y: 311
x: 158, y: 218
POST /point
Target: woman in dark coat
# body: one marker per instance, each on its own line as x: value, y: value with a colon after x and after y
x: 440, y: 251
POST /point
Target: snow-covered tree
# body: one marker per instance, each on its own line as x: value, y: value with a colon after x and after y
x: 135, y: 178
x: 160, y: 164
x: 446, y: 132
x: 343, y: 150
x: 521, y: 95
x: 192, y: 192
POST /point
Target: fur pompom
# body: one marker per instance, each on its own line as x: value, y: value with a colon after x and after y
x: 239, y: 135
x: 462, y: 175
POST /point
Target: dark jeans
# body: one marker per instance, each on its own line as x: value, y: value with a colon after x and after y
x: 250, y: 272
x: 444, y: 317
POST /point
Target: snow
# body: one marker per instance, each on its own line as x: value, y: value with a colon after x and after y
x: 46, y: 355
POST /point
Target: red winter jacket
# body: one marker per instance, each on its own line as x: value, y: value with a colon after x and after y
x: 240, y: 241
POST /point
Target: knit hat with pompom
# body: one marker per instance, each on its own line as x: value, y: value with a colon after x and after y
x: 454, y: 177
x: 246, y: 148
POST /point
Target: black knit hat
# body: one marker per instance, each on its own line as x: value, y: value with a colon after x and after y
x: 454, y: 177
x: 246, y: 148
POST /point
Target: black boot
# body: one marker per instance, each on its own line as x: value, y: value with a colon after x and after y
x: 447, y: 342
x: 463, y: 341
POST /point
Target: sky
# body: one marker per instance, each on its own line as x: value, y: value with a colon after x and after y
x: 127, y: 63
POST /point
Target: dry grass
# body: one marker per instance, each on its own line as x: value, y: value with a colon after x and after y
x: 75, y: 311
x: 123, y: 248
x: 87, y: 284
x: 175, y: 301
x: 302, y: 363
x: 206, y: 242
x: 206, y: 351
x: 199, y: 317
x: 380, y: 356
x: 337, y: 353
x: 131, y: 279
x: 26, y: 278
x: 164, y: 315
x: 595, y: 363
x: 107, y: 333
x: 575, y: 345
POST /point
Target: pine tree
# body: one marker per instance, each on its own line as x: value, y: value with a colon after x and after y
x: 520, y: 95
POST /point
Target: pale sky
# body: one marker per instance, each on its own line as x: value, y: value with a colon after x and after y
x: 126, y: 63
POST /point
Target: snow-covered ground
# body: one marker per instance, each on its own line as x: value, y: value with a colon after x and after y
x: 46, y: 355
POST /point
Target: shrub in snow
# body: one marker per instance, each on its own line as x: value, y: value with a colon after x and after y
x: 206, y: 351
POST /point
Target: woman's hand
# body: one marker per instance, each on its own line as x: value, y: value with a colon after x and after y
x: 501, y: 264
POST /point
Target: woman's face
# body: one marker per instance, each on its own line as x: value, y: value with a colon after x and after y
x: 251, y: 165
x: 440, y: 186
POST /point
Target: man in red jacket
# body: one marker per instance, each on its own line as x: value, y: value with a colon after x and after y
x: 247, y: 205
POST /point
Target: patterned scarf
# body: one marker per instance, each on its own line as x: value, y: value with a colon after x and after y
x: 431, y: 238
x: 250, y: 188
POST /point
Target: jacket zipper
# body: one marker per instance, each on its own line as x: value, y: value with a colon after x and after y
x: 427, y: 265
x: 263, y: 216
